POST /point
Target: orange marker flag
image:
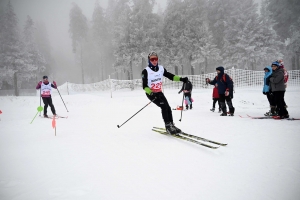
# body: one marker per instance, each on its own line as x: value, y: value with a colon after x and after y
x: 54, y: 124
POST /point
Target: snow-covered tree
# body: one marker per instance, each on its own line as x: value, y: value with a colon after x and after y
x: 78, y: 29
x: 12, y: 54
x: 100, y: 39
x: 35, y: 62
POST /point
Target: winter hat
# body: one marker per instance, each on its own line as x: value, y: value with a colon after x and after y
x: 275, y: 63
x: 45, y: 77
x: 154, y: 68
x: 152, y: 53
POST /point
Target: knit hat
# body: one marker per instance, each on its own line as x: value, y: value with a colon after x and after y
x: 45, y: 77
x: 152, y: 53
x: 275, y: 63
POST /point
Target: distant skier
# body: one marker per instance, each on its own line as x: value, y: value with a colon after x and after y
x: 278, y: 89
x: 215, y: 98
x: 225, y: 90
x: 46, y: 88
x: 152, y: 77
x: 187, y: 90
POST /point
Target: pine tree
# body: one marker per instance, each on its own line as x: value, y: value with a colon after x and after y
x: 11, y: 49
x: 78, y: 30
x: 35, y: 62
x: 100, y: 38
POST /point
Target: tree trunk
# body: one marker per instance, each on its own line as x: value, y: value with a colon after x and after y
x: 16, y: 84
x: 297, y: 62
x: 294, y: 67
x: 81, y: 62
x: 205, y: 65
x: 143, y: 63
x: 176, y: 70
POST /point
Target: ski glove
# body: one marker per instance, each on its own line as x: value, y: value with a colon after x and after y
x: 226, y: 93
x: 185, y: 79
x: 207, y: 80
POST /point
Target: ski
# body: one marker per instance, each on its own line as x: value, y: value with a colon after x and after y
x: 195, y: 137
x: 266, y: 117
x: 290, y: 119
x: 185, y: 138
x: 56, y: 117
x: 272, y: 117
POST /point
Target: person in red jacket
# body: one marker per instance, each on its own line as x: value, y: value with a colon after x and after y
x: 45, y: 86
x: 215, y: 97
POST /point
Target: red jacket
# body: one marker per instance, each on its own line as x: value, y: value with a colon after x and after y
x: 215, y: 93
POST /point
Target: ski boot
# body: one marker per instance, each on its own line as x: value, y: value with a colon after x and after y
x: 224, y: 114
x: 231, y: 111
x: 213, y: 109
x: 170, y: 129
x: 46, y: 116
x: 177, y: 129
x: 187, y: 107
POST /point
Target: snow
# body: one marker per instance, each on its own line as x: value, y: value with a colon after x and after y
x: 90, y: 158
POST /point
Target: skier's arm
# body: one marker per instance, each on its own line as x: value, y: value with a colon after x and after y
x: 145, y: 82
x: 54, y: 85
x: 213, y: 82
x: 173, y: 77
x: 39, y: 85
x: 228, y: 82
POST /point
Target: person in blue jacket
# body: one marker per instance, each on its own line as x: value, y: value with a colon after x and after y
x: 225, y: 89
x: 268, y: 92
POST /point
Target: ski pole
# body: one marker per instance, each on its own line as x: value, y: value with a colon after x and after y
x: 40, y: 97
x: 62, y: 99
x: 182, y: 102
x: 136, y: 113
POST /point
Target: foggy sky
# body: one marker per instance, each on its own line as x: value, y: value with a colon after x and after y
x: 55, y: 15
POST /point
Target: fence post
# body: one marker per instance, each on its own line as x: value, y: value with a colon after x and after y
x: 110, y: 86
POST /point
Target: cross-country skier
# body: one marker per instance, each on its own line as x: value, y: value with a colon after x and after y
x: 187, y: 90
x: 225, y: 89
x: 46, y: 88
x: 152, y: 77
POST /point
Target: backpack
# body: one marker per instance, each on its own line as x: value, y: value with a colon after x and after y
x: 224, y: 78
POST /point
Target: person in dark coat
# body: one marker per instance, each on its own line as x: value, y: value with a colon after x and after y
x: 278, y: 89
x: 225, y: 89
x: 187, y: 90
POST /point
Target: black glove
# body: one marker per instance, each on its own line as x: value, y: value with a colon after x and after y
x: 264, y: 93
x: 185, y: 79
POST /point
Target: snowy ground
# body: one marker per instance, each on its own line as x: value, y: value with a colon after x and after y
x: 90, y: 158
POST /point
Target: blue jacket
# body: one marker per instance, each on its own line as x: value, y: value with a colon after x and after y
x: 223, y: 85
x: 266, y: 87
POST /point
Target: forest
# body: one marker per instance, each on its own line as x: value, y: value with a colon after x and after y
x: 190, y: 36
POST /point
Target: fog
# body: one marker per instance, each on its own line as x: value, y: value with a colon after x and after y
x: 54, y: 14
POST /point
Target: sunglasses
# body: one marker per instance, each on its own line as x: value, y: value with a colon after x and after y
x: 153, y: 59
